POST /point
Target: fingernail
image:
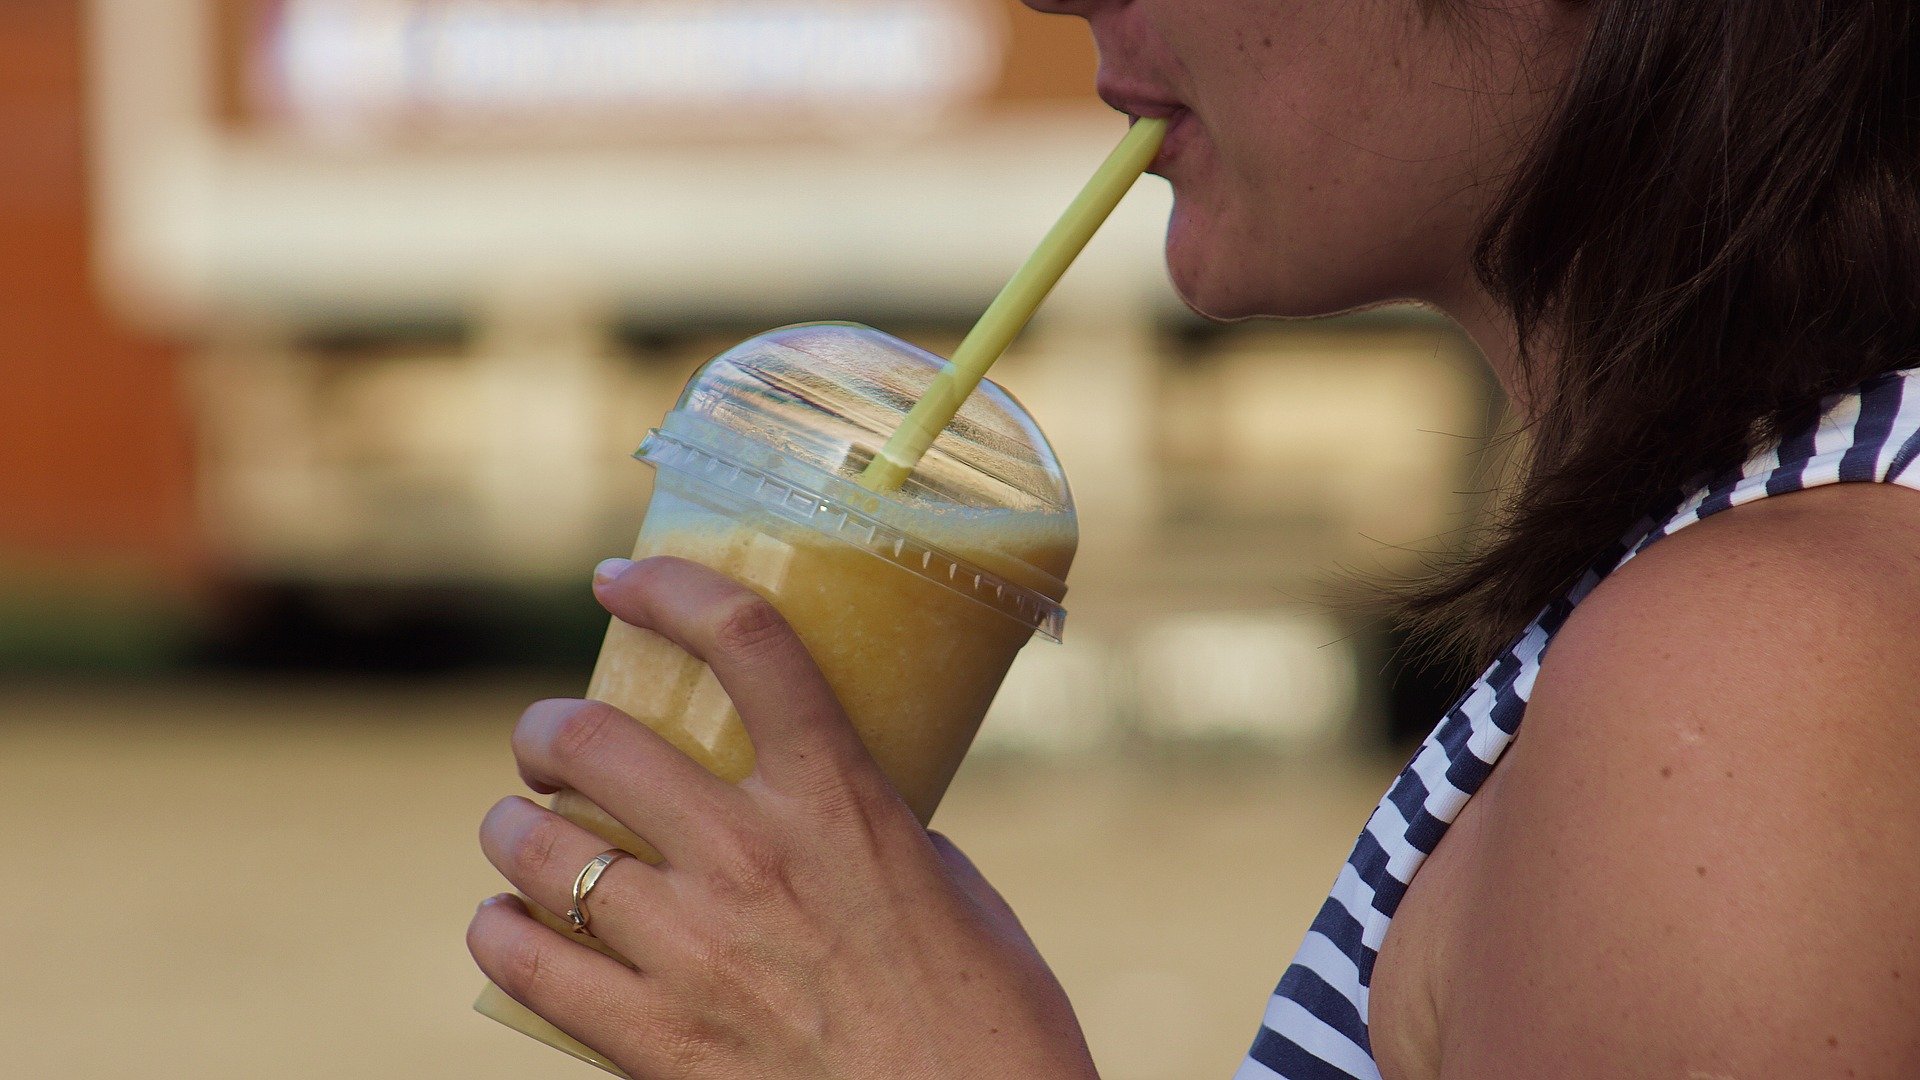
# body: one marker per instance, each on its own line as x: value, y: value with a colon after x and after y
x: 496, y: 901
x: 610, y: 569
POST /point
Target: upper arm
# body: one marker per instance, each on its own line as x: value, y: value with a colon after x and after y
x: 1700, y: 858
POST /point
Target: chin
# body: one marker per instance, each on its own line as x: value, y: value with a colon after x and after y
x: 1208, y: 280
x: 1222, y: 275
x: 1203, y: 296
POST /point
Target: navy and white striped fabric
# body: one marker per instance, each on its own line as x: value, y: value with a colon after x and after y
x: 1316, y: 1023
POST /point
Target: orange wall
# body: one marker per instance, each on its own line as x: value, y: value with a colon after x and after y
x: 94, y: 454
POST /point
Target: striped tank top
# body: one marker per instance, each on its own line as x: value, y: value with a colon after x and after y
x: 1315, y: 1026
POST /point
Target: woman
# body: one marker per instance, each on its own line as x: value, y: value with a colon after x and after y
x: 1686, y: 234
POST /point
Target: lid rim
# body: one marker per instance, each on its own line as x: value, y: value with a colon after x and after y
x: 834, y: 518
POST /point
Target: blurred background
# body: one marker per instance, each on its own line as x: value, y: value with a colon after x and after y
x: 326, y: 330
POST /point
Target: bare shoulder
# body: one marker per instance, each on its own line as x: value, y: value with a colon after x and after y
x: 1811, y: 598
x: 1701, y: 856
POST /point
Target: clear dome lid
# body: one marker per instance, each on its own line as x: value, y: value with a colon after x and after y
x: 790, y: 420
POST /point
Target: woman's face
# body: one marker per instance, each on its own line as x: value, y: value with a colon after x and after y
x: 1328, y: 154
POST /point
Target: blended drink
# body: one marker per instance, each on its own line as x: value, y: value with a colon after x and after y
x: 913, y: 602
x: 914, y: 663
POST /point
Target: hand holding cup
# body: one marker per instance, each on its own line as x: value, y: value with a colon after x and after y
x: 800, y: 923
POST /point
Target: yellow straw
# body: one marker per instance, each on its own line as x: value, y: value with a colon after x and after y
x: 1014, y: 307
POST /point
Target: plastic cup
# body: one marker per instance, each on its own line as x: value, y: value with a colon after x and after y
x: 914, y: 601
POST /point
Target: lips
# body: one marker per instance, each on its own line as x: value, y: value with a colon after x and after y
x: 1141, y: 103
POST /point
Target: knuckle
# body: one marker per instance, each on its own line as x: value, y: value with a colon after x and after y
x: 538, y: 848
x: 530, y: 722
x: 644, y: 581
x: 854, y: 798
x: 750, y: 868
x: 865, y: 821
x: 687, y: 1047
x: 584, y: 731
x: 646, y: 573
x: 528, y: 968
x: 749, y: 625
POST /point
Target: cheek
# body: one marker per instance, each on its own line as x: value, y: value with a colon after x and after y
x: 1222, y: 261
x: 1331, y: 174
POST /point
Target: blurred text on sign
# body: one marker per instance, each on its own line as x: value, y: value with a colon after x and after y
x: 353, y: 70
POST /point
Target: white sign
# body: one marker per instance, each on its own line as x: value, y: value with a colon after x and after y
x: 353, y: 68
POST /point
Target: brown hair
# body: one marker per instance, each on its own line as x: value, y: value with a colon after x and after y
x: 1720, y: 226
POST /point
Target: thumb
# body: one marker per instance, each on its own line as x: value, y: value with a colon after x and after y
x: 974, y: 885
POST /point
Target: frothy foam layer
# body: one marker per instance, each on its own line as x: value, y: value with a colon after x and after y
x: 1009, y: 543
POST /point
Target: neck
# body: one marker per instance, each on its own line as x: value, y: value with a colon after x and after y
x: 1491, y: 327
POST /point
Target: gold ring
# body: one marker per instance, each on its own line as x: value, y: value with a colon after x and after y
x: 584, y: 882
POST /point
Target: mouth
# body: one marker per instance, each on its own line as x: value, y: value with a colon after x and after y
x: 1141, y: 103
